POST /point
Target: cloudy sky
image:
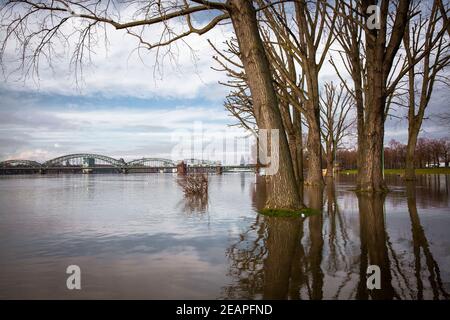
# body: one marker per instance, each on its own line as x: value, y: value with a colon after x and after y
x: 125, y: 107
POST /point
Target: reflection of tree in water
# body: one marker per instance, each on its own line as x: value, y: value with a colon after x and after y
x: 377, y: 249
x: 420, y: 243
x: 339, y: 247
x: 434, y: 191
x: 194, y: 203
x: 282, y: 258
x: 262, y: 259
x: 246, y: 258
x: 282, y: 243
x: 314, y: 255
x: 269, y: 261
x: 374, y: 250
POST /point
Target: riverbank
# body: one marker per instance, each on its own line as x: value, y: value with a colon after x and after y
x: 401, y: 172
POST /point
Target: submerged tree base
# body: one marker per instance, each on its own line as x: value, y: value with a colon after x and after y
x: 303, y: 213
x: 381, y: 190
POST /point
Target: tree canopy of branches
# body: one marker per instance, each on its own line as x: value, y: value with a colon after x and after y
x: 336, y: 104
x: 425, y: 36
x: 371, y: 57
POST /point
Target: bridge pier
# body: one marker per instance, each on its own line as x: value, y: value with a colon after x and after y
x: 219, y: 170
x: 124, y: 170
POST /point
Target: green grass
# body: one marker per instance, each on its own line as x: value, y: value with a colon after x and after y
x: 307, y: 212
x: 402, y: 171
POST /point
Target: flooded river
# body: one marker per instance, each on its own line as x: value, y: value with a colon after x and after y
x: 137, y: 237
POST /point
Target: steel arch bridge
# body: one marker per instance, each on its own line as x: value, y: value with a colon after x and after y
x: 152, y: 163
x: 92, y: 163
x: 78, y: 159
x: 20, y: 163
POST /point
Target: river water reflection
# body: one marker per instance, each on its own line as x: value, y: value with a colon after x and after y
x: 136, y: 237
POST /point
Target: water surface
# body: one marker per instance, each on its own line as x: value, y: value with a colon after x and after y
x: 137, y: 237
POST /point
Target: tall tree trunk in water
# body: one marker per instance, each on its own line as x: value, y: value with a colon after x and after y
x: 311, y: 68
x: 410, y: 172
x: 288, y: 124
x: 414, y: 123
x: 315, y: 176
x: 294, y: 154
x: 299, y: 142
x: 435, y: 60
x: 371, y: 179
x: 356, y: 75
x: 282, y: 189
x: 330, y: 159
x: 296, y: 128
x: 380, y: 54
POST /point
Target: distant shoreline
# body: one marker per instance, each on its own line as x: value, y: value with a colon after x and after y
x: 402, y: 171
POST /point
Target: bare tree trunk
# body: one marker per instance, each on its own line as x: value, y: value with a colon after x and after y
x: 294, y: 152
x: 380, y: 57
x: 299, y: 142
x: 282, y: 187
x: 435, y: 60
x: 381, y: 46
x: 291, y: 132
x: 410, y: 167
x: 356, y: 75
x: 315, y: 176
x: 311, y: 70
x: 330, y: 160
x: 371, y: 179
x: 295, y: 130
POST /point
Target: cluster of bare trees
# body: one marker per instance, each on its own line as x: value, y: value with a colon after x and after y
x: 429, y: 153
x: 274, y: 63
x: 397, y: 63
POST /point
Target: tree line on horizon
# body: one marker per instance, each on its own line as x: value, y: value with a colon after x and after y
x: 429, y: 153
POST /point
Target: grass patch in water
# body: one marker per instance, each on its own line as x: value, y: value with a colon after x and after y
x: 303, y: 213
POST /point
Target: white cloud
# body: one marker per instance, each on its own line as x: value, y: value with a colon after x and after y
x: 119, y: 70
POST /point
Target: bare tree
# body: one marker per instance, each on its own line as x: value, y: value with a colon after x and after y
x: 35, y: 26
x: 370, y: 56
x: 421, y: 37
x: 336, y: 104
x: 306, y: 42
x: 239, y: 102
